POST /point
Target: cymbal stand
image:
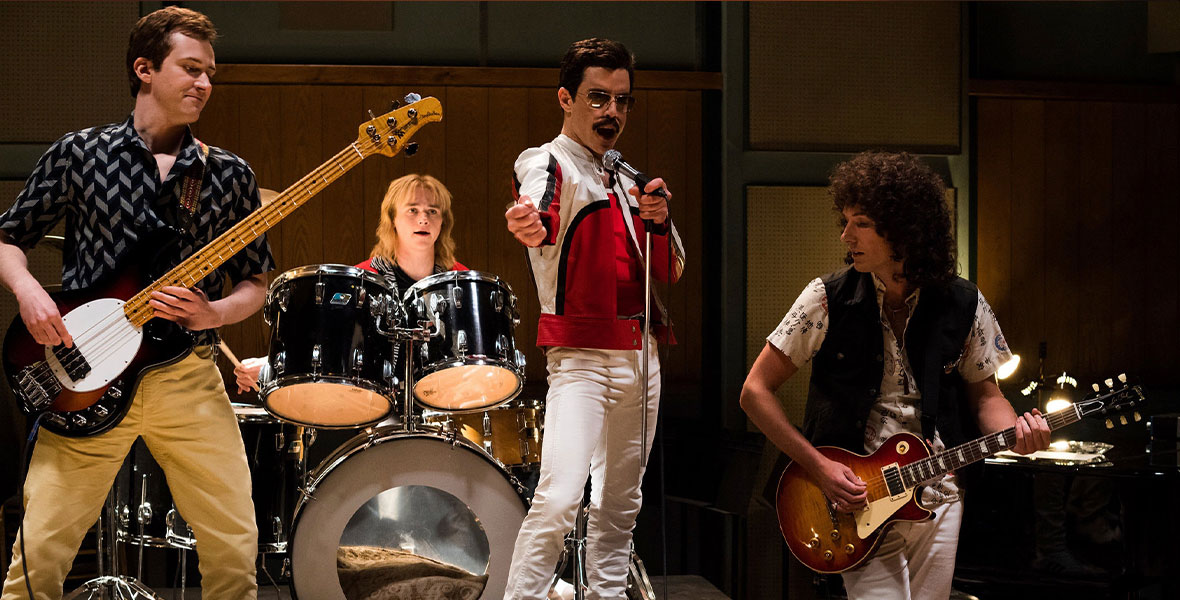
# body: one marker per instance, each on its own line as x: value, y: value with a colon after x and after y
x: 106, y: 586
x: 638, y: 584
x: 408, y: 336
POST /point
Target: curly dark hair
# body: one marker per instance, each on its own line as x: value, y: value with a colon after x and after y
x: 594, y: 52
x: 906, y: 201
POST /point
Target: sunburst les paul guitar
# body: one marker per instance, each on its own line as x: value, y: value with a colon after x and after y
x: 87, y: 389
x: 829, y: 541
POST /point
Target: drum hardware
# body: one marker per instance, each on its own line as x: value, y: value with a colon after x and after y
x: 108, y: 586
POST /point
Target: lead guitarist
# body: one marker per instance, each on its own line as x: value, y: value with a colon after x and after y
x: 112, y: 184
x: 897, y: 342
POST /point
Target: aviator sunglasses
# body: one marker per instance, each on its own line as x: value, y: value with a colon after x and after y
x: 600, y: 100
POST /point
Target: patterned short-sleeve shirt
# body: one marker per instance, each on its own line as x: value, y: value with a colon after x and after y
x: 897, y: 407
x: 105, y: 183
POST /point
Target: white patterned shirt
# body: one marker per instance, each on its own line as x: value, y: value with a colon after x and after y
x: 897, y: 407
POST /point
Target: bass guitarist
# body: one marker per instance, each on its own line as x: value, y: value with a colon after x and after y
x: 897, y: 343
x: 114, y: 184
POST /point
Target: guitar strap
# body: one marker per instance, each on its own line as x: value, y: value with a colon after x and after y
x: 190, y: 190
x: 930, y: 373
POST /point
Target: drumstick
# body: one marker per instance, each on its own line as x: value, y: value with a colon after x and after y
x: 232, y: 359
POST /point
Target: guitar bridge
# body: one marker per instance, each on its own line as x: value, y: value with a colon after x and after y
x: 38, y: 387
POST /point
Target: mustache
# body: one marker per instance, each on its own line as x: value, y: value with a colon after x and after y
x: 613, y: 122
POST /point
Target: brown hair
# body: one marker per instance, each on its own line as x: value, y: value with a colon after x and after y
x: 150, y: 37
x: 907, y: 202
x: 399, y: 194
x: 594, y: 52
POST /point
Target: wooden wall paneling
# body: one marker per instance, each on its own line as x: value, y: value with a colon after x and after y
x: 431, y: 157
x: 1063, y: 245
x: 302, y: 118
x: 544, y: 116
x: 342, y: 204
x: 378, y: 171
x: 993, y: 205
x: 1096, y: 205
x: 1133, y: 251
x: 1163, y: 181
x: 509, y: 115
x: 1024, y: 323
x: 467, y: 140
x: 665, y: 137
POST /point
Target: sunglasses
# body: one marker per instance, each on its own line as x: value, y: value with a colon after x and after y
x: 600, y: 100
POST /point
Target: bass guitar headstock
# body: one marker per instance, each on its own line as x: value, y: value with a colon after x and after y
x: 390, y: 133
x: 1118, y: 398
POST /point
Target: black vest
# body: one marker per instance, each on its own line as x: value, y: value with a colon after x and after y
x: 848, y: 368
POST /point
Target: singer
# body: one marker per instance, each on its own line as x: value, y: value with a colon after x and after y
x: 580, y: 222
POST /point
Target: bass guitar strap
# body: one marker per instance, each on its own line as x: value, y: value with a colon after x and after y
x: 190, y: 190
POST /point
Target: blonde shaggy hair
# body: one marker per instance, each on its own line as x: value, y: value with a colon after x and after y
x: 400, y: 191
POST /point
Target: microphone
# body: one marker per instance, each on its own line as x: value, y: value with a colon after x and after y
x: 613, y: 161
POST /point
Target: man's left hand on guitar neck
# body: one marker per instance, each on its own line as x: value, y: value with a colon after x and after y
x: 190, y: 308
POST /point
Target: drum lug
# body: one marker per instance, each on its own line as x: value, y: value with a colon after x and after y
x: 361, y: 295
x: 520, y: 361
x: 502, y: 346
x: 487, y: 429
x: 377, y: 305
x: 315, y: 359
x: 276, y: 527
x: 145, y: 513
x: 319, y: 292
x: 284, y: 297
x: 497, y: 300
x: 457, y: 297
x: 460, y: 344
x: 358, y: 360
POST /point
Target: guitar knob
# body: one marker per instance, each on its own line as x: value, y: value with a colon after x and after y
x: 849, y: 549
x: 828, y: 556
x: 835, y: 534
x: 813, y: 543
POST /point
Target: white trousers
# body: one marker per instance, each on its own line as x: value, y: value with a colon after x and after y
x: 915, y: 561
x: 593, y: 419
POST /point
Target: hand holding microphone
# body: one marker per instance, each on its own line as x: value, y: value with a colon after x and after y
x: 652, y: 194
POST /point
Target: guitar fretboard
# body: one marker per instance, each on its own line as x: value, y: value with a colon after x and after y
x: 937, y: 465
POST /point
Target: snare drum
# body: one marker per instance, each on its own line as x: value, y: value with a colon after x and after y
x: 329, y: 363
x: 472, y: 363
x: 511, y: 433
x: 392, y: 512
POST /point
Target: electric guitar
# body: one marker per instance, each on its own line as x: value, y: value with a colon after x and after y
x: 87, y: 389
x: 829, y: 541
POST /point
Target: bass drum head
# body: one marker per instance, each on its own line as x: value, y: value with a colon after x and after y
x: 405, y: 514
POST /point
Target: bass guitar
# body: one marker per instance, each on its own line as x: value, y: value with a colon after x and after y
x: 830, y: 541
x: 87, y: 389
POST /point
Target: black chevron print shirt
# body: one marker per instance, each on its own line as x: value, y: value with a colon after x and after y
x: 104, y: 181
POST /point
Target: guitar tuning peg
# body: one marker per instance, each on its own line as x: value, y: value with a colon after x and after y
x: 411, y: 148
x: 394, y: 104
x: 1109, y: 424
x: 1122, y: 419
x: 1096, y: 388
x: 1138, y: 417
x: 1122, y: 378
x: 412, y: 98
x: 371, y: 116
x: 1109, y: 383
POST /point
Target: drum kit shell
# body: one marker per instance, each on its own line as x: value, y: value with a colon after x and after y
x: 429, y: 380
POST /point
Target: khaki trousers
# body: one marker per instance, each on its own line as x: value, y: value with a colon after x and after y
x: 184, y: 417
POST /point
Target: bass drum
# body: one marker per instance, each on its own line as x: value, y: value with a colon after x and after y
x: 397, y: 514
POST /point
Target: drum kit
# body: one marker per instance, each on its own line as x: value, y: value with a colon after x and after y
x: 430, y: 491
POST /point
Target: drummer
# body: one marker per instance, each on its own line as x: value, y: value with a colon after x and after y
x: 413, y: 241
